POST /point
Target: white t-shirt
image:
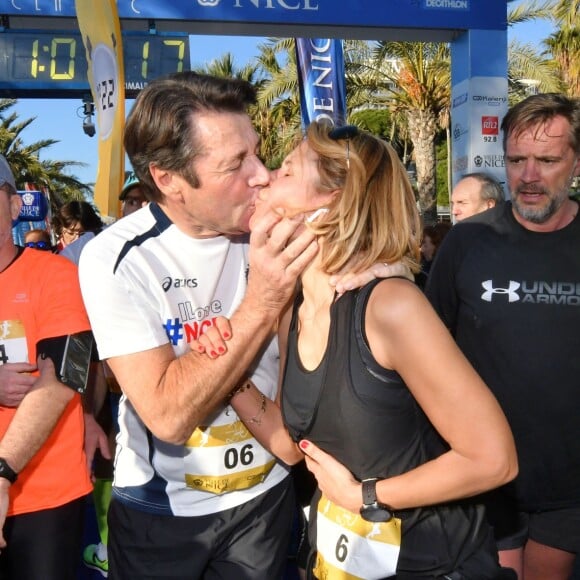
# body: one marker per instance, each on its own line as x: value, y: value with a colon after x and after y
x: 145, y: 283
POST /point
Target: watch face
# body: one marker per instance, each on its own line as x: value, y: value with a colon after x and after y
x: 375, y: 513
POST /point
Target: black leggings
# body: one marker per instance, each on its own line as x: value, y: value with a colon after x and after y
x: 44, y: 545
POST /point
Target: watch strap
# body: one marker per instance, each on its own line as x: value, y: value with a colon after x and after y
x: 369, y: 490
x: 6, y: 471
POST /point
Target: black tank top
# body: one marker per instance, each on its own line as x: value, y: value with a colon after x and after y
x: 365, y: 416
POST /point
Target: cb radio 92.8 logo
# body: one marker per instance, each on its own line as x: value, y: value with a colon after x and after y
x: 490, y: 128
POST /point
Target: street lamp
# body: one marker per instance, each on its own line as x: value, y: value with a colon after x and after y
x: 531, y: 86
x: 88, y: 110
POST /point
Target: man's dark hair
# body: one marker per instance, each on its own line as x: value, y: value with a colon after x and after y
x: 81, y: 212
x: 537, y: 109
x: 161, y: 127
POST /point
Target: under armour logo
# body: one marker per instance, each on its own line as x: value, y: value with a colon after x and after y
x: 490, y: 291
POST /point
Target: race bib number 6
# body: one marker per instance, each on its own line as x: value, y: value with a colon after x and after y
x: 350, y: 548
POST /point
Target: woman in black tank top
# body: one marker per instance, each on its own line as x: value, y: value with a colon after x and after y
x: 398, y: 429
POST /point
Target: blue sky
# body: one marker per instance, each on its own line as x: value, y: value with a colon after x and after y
x: 59, y: 118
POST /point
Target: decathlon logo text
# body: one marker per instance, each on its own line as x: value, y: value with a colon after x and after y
x: 449, y: 4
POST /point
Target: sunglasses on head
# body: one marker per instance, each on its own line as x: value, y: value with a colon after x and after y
x: 38, y: 245
x: 347, y: 132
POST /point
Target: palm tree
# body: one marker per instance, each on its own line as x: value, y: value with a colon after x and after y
x: 564, y: 44
x: 412, y: 81
x: 26, y: 164
x: 525, y: 62
x: 365, y: 106
x: 278, y: 108
x: 226, y: 67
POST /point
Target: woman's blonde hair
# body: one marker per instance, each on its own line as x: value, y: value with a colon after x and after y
x: 374, y: 216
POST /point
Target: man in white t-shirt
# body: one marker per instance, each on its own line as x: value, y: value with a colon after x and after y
x: 195, y: 495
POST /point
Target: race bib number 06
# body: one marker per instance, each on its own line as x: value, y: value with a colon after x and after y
x: 224, y: 458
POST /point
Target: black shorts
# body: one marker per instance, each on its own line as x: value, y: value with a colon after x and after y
x: 44, y: 545
x: 558, y: 528
x: 248, y: 542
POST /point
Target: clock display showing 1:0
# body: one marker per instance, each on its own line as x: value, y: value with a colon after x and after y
x: 54, y: 64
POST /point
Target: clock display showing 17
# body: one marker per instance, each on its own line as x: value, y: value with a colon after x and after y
x: 47, y: 62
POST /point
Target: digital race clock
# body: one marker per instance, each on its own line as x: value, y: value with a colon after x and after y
x: 54, y: 64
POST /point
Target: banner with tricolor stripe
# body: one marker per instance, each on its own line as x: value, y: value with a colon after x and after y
x: 320, y: 64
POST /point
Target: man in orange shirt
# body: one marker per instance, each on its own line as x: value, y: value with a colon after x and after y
x: 43, y: 467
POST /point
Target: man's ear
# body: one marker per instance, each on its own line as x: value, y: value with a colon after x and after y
x: 490, y: 203
x: 15, y: 205
x: 169, y: 183
x: 161, y: 177
x: 166, y: 181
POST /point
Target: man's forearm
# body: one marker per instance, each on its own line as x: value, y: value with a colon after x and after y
x: 195, y: 386
x: 33, y: 423
x: 174, y: 395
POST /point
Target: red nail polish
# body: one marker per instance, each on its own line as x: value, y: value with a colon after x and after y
x: 221, y: 350
x: 226, y: 334
x: 212, y: 353
x: 303, y: 444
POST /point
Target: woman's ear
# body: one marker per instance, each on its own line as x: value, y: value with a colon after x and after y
x: 331, y: 196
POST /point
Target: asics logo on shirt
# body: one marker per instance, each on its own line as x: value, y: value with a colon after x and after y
x: 169, y: 282
x: 490, y: 291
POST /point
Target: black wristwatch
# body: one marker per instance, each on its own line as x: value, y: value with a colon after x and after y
x: 371, y: 509
x: 6, y: 471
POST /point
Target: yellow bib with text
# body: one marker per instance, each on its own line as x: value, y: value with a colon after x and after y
x: 224, y: 458
x: 350, y: 548
x: 13, y: 345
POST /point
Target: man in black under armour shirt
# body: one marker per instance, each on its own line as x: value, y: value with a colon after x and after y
x: 507, y: 284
